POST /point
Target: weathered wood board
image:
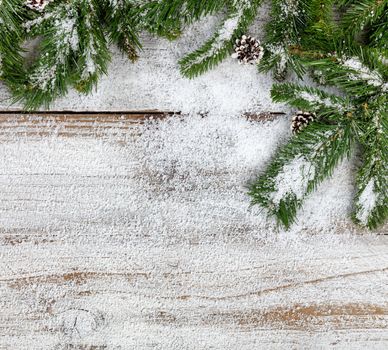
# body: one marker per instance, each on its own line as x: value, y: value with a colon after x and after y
x: 81, y: 268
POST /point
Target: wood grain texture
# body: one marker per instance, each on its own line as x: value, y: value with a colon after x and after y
x: 93, y: 124
x: 81, y: 268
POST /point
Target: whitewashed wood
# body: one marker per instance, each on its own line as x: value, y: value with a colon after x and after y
x: 75, y: 274
x: 154, y: 81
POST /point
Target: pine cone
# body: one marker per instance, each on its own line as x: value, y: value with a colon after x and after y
x: 37, y: 5
x: 301, y: 120
x: 248, y: 50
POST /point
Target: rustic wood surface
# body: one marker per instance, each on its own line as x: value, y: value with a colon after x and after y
x: 74, y: 274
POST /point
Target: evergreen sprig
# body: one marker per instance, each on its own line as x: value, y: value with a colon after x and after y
x: 122, y: 25
x: 367, y: 20
x: 73, y: 50
x: 358, y: 114
x: 11, y: 62
x: 75, y: 36
x: 289, y: 19
x: 371, y: 202
x: 73, y: 47
x: 168, y: 17
x: 240, y: 16
x: 321, y: 32
x: 309, y: 158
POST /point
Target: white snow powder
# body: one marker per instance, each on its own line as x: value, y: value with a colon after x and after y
x: 289, y: 8
x: 366, y: 202
x: 180, y: 177
x: 361, y: 71
x: 44, y: 77
x: 293, y: 179
x: 228, y: 29
x: 318, y: 100
x: 154, y: 81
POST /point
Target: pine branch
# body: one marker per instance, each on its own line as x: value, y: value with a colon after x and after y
x: 49, y: 76
x: 371, y: 202
x: 363, y: 13
x: 298, y: 167
x: 161, y: 18
x: 300, y: 31
x: 73, y: 51
x: 217, y: 48
x: 10, y: 16
x: 361, y: 76
x: 167, y: 17
x: 321, y: 32
x: 92, y: 57
x: 379, y: 33
x: 122, y: 21
x: 311, y: 156
x: 289, y: 20
x: 11, y: 67
x: 312, y: 100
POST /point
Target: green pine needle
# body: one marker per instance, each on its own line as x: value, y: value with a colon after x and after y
x: 359, y: 113
x: 308, y: 158
x: 222, y: 43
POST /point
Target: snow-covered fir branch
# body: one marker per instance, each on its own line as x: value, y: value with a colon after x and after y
x: 65, y: 40
x: 316, y: 100
x: 293, y: 180
x: 213, y: 51
x: 362, y: 72
x: 366, y: 203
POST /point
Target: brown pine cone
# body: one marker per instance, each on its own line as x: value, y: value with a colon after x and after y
x: 37, y: 5
x: 248, y: 50
x: 301, y: 120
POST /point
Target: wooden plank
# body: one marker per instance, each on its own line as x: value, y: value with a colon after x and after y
x: 81, y: 268
x: 149, y: 304
x: 71, y: 124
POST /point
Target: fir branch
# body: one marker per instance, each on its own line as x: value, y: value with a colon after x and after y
x: 289, y: 20
x: 362, y: 14
x: 378, y: 35
x: 167, y: 17
x: 311, y: 99
x: 122, y: 21
x: 298, y: 167
x: 9, y: 18
x: 73, y: 49
x: 92, y: 57
x: 311, y: 156
x: 298, y: 32
x: 161, y: 18
x: 50, y: 74
x: 359, y: 76
x: 321, y: 32
x: 371, y: 202
x: 220, y: 46
x: 11, y: 64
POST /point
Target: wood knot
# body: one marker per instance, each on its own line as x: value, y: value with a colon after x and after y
x: 79, y: 323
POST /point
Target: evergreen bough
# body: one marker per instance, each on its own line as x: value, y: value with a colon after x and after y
x: 289, y: 18
x: 73, y: 38
x: 343, y: 43
x: 358, y: 114
x: 10, y: 28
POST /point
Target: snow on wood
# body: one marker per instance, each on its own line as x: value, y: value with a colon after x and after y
x: 120, y: 235
x: 140, y: 236
x: 154, y: 82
